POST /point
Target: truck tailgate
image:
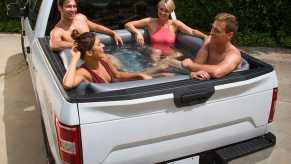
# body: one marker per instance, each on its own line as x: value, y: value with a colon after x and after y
x: 153, y: 129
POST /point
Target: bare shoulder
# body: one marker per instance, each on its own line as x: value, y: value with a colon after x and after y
x: 176, y: 22
x: 206, y: 42
x: 149, y: 20
x: 80, y: 17
x: 234, y: 51
x: 56, y: 31
x: 234, y: 55
x: 83, y: 73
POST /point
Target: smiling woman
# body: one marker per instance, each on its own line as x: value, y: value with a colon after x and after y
x: 162, y: 31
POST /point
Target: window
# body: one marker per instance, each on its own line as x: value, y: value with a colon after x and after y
x: 33, y: 9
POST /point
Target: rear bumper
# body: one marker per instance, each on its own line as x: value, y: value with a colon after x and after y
x: 231, y: 152
x: 234, y: 151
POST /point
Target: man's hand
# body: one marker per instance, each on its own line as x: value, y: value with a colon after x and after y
x: 117, y: 39
x: 200, y: 75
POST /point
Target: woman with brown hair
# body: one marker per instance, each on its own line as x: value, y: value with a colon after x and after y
x: 97, y: 66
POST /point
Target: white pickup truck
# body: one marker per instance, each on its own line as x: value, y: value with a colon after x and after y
x: 163, y: 120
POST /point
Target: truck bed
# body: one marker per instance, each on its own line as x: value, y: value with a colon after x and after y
x: 167, y: 120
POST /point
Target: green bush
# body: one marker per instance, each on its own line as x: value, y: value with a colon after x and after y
x: 250, y: 39
x: 8, y: 24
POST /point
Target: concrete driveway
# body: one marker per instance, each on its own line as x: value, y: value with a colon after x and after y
x: 20, y: 127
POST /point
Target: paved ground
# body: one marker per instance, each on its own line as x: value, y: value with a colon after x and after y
x: 20, y: 131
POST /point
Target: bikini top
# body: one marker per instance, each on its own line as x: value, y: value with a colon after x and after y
x: 95, y: 77
x: 163, y: 39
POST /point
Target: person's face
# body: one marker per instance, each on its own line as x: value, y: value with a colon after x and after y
x: 69, y: 9
x: 98, y: 47
x: 218, y: 32
x: 163, y: 12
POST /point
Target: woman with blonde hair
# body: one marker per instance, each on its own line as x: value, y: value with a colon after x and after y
x: 162, y: 31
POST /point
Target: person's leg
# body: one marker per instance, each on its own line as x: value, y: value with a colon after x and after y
x: 116, y: 62
x: 155, y: 55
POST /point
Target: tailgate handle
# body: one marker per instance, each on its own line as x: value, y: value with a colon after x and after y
x: 192, y: 96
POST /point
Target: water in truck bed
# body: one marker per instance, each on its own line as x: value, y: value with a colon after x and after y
x: 134, y: 58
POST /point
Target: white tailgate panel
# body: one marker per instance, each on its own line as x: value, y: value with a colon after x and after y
x: 154, y: 131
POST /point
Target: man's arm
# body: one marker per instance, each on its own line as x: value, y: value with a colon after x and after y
x: 219, y: 70
x: 200, y: 58
x: 56, y: 41
x: 102, y: 29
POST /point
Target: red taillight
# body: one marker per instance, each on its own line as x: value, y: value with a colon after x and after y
x: 273, y: 105
x: 69, y: 142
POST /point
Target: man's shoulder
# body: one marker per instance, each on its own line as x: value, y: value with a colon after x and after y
x: 57, y: 30
x: 233, y: 55
x: 80, y: 16
x: 206, y: 42
x: 234, y: 50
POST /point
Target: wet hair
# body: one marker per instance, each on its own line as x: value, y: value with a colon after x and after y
x: 84, y: 42
x: 230, y: 21
x: 170, y: 5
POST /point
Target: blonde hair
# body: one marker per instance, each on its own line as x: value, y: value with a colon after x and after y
x: 170, y: 5
x: 230, y: 21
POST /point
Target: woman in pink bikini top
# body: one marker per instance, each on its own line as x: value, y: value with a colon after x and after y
x: 162, y: 30
x: 97, y: 66
x: 163, y: 39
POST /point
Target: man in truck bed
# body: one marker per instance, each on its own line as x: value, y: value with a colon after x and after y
x: 60, y: 36
x: 217, y: 56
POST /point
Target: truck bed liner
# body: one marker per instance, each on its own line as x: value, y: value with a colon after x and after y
x: 87, y: 92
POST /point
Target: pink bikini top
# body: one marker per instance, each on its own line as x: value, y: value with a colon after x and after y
x: 163, y: 39
x: 95, y: 77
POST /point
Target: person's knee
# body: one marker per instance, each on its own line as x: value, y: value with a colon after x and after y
x: 156, y: 55
x: 187, y: 62
x: 156, y: 51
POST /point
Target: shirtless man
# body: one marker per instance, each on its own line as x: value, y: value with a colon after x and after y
x: 217, y: 56
x: 60, y: 36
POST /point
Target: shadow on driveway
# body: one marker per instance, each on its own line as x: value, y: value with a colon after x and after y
x: 22, y: 121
